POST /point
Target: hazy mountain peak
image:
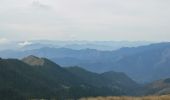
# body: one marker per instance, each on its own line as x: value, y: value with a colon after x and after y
x: 32, y: 56
x: 33, y: 60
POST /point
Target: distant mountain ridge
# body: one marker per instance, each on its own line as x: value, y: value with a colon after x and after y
x: 76, y: 45
x: 153, y: 60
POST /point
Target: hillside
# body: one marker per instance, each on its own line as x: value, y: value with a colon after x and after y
x: 162, y: 97
x: 159, y: 87
x: 112, y: 80
x: 153, y: 60
x: 147, y: 63
x: 34, y: 77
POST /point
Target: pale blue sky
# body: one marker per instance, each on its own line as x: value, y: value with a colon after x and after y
x: 131, y: 20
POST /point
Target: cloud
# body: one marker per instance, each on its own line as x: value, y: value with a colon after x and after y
x: 85, y: 19
x: 3, y: 40
x: 25, y: 43
x: 38, y: 4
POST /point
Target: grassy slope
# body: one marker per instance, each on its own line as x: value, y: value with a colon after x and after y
x: 163, y: 97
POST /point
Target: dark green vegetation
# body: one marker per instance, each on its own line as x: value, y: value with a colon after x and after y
x: 34, y: 77
x: 143, y: 64
x: 113, y: 80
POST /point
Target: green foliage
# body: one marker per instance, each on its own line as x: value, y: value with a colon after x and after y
x: 20, y: 79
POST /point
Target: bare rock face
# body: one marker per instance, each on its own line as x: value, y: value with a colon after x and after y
x: 33, y: 60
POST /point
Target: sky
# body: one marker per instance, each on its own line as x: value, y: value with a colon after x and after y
x: 93, y: 20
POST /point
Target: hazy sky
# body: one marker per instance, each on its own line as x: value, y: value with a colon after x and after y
x: 118, y: 20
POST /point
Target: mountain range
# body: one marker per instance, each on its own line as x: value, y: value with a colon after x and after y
x: 34, y: 77
x: 143, y: 64
x: 76, y: 45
